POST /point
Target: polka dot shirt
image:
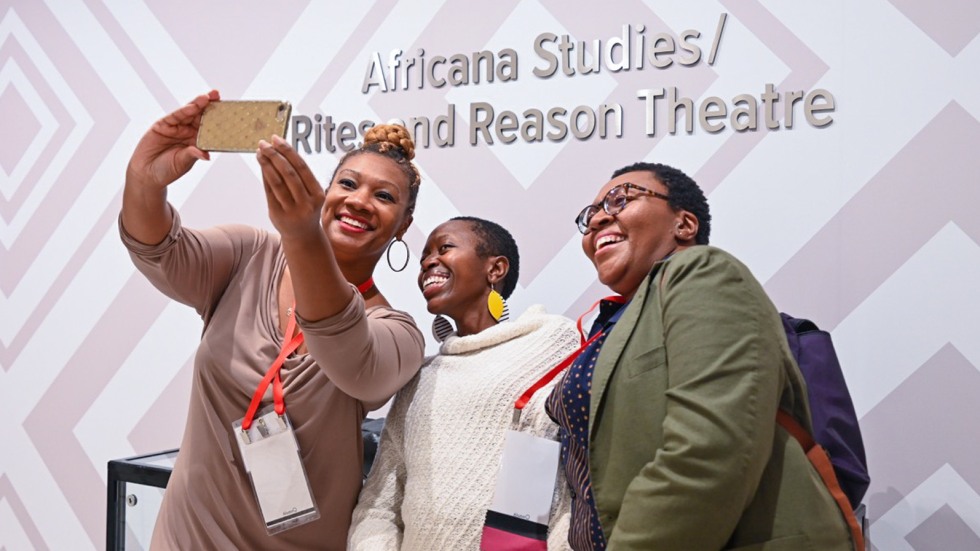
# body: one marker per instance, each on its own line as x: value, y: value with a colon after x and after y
x: 568, y: 405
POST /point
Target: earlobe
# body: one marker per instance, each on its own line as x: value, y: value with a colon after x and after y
x: 405, y: 225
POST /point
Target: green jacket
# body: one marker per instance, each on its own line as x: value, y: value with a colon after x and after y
x: 685, y: 453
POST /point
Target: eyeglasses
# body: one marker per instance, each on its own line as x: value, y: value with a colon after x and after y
x: 613, y: 203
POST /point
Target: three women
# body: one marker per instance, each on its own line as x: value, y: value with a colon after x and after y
x: 667, y: 417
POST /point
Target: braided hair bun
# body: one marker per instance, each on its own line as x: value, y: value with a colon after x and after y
x: 389, y: 136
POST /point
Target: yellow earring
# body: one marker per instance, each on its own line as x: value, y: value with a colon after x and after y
x: 497, y: 306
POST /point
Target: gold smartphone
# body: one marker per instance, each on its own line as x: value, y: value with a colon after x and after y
x: 239, y: 125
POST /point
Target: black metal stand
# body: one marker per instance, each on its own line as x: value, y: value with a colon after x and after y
x: 131, y: 470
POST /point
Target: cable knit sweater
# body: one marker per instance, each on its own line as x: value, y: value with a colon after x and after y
x: 437, y: 463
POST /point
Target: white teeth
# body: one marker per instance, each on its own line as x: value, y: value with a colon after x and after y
x: 607, y: 239
x: 434, y: 280
x: 351, y: 222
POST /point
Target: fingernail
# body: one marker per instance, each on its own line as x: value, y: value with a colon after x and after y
x: 277, y: 140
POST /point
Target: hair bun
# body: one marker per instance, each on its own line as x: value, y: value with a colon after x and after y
x: 391, y: 135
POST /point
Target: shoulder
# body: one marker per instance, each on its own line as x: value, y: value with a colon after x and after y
x: 551, y: 326
x: 697, y: 279
x: 704, y: 278
x: 704, y: 264
x: 704, y: 255
x: 538, y: 314
x: 553, y: 338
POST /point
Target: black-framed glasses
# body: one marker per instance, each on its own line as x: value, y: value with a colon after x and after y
x: 613, y: 203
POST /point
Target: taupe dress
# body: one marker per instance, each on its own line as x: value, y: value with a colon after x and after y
x: 230, y: 275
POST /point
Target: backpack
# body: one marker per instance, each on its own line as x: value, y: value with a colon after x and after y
x: 371, y: 434
x: 835, y: 424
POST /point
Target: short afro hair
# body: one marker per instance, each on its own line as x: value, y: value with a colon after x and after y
x: 683, y: 194
x: 496, y: 241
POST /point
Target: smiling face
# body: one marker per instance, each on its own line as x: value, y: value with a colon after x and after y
x: 625, y: 247
x: 366, y: 205
x: 455, y: 280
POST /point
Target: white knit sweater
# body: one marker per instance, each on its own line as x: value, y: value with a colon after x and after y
x: 436, y: 468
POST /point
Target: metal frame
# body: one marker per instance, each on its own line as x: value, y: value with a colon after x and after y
x: 121, y: 472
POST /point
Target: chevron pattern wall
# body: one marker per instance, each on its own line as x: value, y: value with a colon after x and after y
x: 869, y: 225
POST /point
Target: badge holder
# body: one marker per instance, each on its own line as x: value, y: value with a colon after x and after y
x: 275, y: 468
x: 519, y: 514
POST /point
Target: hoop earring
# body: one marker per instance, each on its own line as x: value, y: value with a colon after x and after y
x: 497, y: 306
x: 408, y: 254
x: 441, y: 328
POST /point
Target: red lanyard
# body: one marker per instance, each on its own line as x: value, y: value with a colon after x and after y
x: 290, y: 343
x: 549, y: 376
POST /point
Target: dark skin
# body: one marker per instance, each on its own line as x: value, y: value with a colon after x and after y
x: 625, y: 246
x: 455, y: 280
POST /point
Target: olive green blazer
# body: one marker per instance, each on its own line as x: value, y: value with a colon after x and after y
x: 685, y: 453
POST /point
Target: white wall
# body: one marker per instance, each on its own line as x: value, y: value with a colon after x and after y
x: 867, y: 225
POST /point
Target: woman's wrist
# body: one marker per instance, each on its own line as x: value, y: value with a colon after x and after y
x: 309, y: 240
x: 139, y: 182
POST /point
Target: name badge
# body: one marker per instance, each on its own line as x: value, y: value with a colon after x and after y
x: 521, y: 508
x: 275, y: 468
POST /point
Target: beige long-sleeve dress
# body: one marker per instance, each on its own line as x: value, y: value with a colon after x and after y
x: 230, y: 275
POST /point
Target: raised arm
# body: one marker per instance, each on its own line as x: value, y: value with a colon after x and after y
x: 165, y: 153
x: 368, y: 355
x: 193, y: 267
x: 295, y: 198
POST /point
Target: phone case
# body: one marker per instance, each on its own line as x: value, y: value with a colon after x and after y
x: 239, y: 125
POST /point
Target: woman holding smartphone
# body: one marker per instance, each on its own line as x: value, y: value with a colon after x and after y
x: 305, y: 296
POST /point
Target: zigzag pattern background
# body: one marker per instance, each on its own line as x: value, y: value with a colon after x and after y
x: 869, y: 226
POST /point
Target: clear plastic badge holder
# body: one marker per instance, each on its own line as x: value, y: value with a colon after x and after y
x: 526, y: 479
x: 273, y: 463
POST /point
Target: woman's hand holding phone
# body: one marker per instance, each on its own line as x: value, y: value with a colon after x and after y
x: 166, y: 152
x: 169, y: 148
